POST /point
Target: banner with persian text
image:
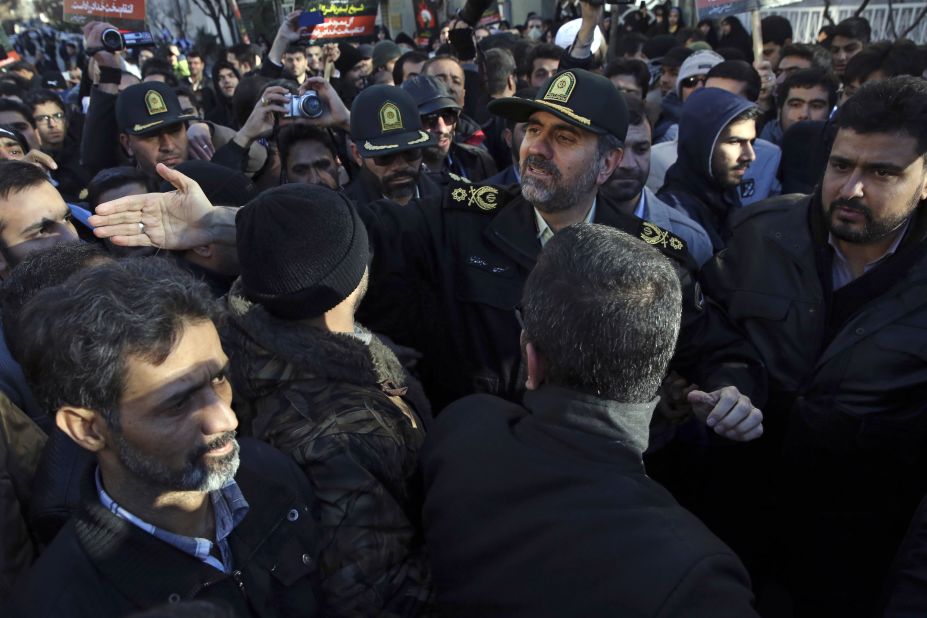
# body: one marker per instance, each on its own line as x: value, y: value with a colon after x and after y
x: 717, y: 9
x: 344, y: 19
x: 125, y: 14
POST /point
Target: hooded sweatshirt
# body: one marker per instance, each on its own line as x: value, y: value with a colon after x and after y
x: 689, y: 185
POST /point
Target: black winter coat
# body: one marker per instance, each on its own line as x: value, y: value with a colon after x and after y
x: 848, y: 385
x: 101, y: 565
x: 545, y: 511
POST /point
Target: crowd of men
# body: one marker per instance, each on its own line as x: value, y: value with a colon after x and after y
x: 539, y: 322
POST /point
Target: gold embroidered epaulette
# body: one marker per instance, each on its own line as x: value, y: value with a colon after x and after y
x: 462, y: 194
x: 661, y: 239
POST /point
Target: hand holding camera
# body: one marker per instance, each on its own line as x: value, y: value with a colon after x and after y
x: 334, y: 112
x: 274, y: 100
x: 102, y: 41
x: 93, y: 43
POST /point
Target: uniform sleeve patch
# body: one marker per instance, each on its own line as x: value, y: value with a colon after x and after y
x: 485, y: 198
x: 658, y: 237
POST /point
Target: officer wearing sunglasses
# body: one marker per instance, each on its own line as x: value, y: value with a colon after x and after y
x: 440, y: 114
x: 387, y: 141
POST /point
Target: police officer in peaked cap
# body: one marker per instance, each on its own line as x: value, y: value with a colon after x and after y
x: 447, y: 274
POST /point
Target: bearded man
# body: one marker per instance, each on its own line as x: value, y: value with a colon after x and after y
x: 832, y: 290
x: 174, y: 508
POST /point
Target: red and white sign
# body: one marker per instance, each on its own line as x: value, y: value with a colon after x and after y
x: 128, y: 14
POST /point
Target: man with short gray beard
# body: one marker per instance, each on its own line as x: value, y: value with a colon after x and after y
x: 127, y: 355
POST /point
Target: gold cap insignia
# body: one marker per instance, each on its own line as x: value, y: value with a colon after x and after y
x: 561, y: 88
x: 390, y: 117
x: 142, y: 127
x: 155, y: 103
x: 421, y: 139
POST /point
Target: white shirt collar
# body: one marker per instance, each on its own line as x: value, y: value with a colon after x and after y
x: 544, y: 231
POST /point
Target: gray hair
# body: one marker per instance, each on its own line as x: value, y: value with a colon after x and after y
x: 603, y: 309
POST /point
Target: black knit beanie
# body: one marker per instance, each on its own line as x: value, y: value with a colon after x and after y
x: 302, y: 250
x: 348, y: 58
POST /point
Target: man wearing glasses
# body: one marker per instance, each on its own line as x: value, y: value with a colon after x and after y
x: 50, y: 120
x: 51, y: 125
x: 440, y: 114
x: 387, y: 141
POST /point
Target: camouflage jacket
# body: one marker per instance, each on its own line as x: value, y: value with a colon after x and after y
x: 352, y: 419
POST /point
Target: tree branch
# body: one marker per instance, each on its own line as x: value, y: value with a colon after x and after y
x: 917, y: 20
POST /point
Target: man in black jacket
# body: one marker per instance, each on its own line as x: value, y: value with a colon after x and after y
x: 558, y: 517
x: 832, y: 290
x: 174, y: 508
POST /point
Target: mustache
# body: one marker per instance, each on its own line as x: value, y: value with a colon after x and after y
x: 402, y: 175
x: 545, y: 165
x: 853, y: 204
x: 618, y: 175
x: 219, y: 442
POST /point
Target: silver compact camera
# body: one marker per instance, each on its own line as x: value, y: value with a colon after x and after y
x: 308, y: 105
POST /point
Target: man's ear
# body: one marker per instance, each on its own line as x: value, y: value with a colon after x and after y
x: 507, y: 137
x: 205, y: 251
x: 83, y: 426
x: 124, y: 142
x: 612, y: 161
x: 5, y: 266
x: 357, y: 156
x: 536, y: 367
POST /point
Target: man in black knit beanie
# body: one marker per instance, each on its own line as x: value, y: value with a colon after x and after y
x: 327, y: 391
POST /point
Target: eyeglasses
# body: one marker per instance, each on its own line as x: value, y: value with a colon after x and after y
x: 449, y: 116
x: 691, y: 82
x: 57, y: 117
x: 409, y: 156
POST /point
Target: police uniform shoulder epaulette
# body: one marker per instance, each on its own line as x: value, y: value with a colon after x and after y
x: 461, y: 194
x: 665, y: 241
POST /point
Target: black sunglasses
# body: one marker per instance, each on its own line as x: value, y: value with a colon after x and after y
x: 409, y: 156
x: 449, y: 116
x: 690, y: 82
